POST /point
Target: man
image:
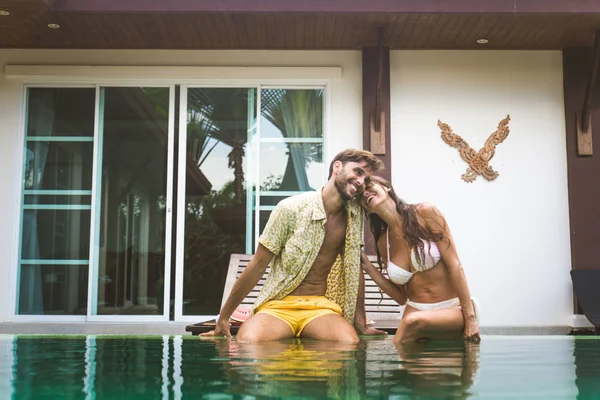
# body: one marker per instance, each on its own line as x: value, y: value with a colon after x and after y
x: 314, y: 240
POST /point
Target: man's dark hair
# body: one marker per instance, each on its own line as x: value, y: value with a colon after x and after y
x: 355, y: 155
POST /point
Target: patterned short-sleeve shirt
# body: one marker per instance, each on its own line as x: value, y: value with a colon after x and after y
x: 295, y: 233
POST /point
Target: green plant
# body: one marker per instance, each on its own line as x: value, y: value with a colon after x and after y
x: 199, y: 134
x: 226, y: 112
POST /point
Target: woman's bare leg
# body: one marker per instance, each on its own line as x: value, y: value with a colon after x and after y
x: 438, y: 324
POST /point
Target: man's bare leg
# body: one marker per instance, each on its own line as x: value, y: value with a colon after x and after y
x: 331, y: 327
x: 263, y: 328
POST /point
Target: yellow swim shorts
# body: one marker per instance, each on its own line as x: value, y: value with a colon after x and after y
x: 298, y: 311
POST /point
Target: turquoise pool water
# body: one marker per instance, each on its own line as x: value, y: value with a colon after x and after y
x: 177, y: 367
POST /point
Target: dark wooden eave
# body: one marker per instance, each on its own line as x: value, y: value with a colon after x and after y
x: 330, y: 6
x: 298, y: 24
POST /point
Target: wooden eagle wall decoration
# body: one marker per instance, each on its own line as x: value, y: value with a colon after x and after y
x: 478, y: 161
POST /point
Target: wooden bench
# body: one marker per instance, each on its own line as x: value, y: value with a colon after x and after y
x: 379, y: 306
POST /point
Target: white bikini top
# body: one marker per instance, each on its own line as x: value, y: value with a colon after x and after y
x: 401, y: 276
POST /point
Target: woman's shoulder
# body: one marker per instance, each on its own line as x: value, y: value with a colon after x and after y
x: 427, y: 209
x: 429, y: 213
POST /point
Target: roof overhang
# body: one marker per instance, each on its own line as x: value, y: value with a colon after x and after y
x: 299, y: 24
x: 330, y: 6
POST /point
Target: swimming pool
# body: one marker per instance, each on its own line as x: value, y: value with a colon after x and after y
x: 176, y: 367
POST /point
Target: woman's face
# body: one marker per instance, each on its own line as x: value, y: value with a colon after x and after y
x: 373, y: 196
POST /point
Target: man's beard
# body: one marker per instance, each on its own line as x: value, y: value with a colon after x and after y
x: 340, y: 184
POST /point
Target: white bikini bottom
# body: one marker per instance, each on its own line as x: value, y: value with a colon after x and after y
x: 442, y: 305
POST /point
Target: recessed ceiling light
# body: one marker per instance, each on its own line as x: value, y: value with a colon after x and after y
x: 482, y: 40
x: 4, y: 13
x: 54, y: 26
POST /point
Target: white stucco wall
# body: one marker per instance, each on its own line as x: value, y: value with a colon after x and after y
x: 344, y: 124
x: 512, y: 234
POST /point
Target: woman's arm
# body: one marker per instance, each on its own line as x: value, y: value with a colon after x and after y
x: 388, y: 287
x: 435, y: 221
x: 360, y: 317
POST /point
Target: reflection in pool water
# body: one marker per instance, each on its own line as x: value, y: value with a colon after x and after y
x: 108, y: 367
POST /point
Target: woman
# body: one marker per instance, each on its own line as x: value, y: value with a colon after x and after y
x: 423, y: 269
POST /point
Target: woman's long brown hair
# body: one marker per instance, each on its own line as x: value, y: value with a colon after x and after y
x: 413, y: 232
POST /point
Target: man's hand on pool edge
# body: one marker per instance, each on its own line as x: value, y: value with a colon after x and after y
x: 369, y: 331
x: 222, y: 328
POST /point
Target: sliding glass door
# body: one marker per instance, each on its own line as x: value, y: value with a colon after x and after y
x: 216, y: 125
x: 107, y: 167
x: 57, y: 187
x: 241, y: 151
x: 133, y: 197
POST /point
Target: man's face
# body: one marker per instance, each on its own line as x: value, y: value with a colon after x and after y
x: 350, y: 180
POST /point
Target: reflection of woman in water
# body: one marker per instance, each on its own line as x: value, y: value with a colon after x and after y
x: 439, y: 370
x: 423, y: 269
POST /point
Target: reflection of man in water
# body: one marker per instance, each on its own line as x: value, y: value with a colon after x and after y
x: 292, y: 368
x: 314, y: 240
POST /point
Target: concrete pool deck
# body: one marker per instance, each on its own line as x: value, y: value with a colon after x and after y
x: 178, y: 328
